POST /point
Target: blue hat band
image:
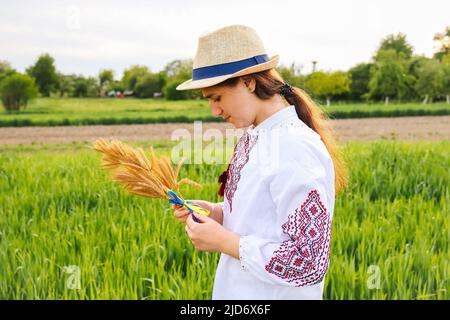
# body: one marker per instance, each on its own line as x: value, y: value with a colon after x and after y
x: 227, y: 68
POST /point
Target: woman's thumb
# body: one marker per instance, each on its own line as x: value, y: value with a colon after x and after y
x: 200, y: 217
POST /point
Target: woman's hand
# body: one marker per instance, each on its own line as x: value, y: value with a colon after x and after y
x: 214, y: 208
x: 209, y: 235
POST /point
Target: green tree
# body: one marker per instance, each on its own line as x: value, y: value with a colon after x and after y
x: 396, y: 42
x: 443, y: 40
x: 105, y: 77
x: 178, y: 70
x: 430, y: 79
x: 5, y: 69
x: 412, y: 75
x: 16, y: 90
x: 388, y: 76
x: 394, y: 52
x: 328, y: 84
x: 66, y: 84
x: 359, y: 76
x: 85, y: 87
x: 170, y: 92
x: 147, y: 85
x: 174, y: 73
x: 131, y: 76
x: 445, y: 87
x: 44, y: 73
x: 163, y: 79
x: 116, y: 86
x: 446, y: 59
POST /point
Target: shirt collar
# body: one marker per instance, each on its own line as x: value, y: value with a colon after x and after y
x: 273, y: 119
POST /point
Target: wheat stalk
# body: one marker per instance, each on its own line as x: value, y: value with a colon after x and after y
x: 152, y: 178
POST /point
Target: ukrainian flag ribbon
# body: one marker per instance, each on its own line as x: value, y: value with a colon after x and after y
x: 190, y: 205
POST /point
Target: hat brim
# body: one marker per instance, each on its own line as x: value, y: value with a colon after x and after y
x: 204, y: 83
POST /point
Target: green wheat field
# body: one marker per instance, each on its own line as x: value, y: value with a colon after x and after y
x: 58, y: 208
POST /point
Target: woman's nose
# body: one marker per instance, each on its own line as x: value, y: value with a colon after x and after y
x: 216, y: 110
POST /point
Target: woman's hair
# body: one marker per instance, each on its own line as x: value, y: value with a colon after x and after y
x: 269, y: 83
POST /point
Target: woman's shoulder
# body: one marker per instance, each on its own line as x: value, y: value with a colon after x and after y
x: 292, y: 145
x: 294, y: 139
x: 294, y: 129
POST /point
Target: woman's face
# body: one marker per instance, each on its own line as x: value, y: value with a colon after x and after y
x: 235, y: 105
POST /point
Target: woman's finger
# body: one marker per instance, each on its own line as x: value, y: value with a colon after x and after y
x: 182, y: 218
x: 180, y: 213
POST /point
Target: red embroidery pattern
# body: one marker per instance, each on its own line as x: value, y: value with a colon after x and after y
x: 303, y: 260
x: 238, y: 161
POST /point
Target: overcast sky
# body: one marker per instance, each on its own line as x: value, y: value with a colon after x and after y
x: 86, y: 36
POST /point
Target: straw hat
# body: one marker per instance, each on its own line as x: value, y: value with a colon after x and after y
x: 225, y: 53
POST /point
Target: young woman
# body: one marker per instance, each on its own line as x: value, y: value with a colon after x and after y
x: 274, y: 226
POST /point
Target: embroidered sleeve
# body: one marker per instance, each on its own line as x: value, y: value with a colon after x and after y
x: 303, y: 259
x: 299, y: 255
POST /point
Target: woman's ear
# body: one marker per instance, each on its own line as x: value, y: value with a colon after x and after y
x: 250, y: 84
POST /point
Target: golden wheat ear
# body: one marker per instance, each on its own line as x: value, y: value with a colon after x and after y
x: 139, y: 175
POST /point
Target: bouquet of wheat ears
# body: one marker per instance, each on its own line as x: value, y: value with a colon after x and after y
x: 139, y: 175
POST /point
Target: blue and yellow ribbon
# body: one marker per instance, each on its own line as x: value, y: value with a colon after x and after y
x: 190, y: 205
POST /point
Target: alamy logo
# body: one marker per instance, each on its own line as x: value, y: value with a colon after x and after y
x: 74, y: 280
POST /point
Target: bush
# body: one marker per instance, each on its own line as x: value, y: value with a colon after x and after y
x: 171, y: 93
x: 86, y: 87
x: 16, y: 90
x: 147, y: 85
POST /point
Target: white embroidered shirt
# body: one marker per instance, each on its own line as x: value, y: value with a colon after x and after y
x: 279, y: 197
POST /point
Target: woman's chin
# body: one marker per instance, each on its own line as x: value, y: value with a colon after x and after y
x: 238, y: 124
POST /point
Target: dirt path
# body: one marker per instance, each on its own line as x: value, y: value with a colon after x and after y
x: 402, y: 128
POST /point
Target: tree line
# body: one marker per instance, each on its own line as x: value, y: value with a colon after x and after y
x: 394, y: 72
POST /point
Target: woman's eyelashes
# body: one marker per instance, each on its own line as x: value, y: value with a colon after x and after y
x: 214, y: 100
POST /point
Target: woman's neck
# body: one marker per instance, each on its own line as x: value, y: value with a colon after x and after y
x: 268, y: 108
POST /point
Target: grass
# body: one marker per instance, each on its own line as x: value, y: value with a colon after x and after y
x: 107, y: 111
x: 58, y: 209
